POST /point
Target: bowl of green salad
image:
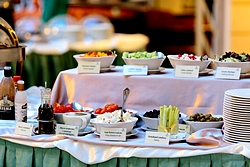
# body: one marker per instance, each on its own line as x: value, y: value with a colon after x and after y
x: 233, y: 60
x: 151, y: 59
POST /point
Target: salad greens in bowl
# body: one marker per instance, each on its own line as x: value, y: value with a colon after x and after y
x: 152, y: 59
x: 234, y: 60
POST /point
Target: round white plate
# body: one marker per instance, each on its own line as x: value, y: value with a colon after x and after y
x: 87, y: 130
x: 156, y: 70
x: 232, y: 140
x: 131, y: 133
x: 205, y: 72
x: 235, y: 100
x: 239, y: 93
x: 179, y: 137
x: 230, y: 107
x: 144, y: 127
x: 107, y: 69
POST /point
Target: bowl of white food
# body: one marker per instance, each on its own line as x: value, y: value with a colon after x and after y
x: 112, y: 120
x: 189, y: 60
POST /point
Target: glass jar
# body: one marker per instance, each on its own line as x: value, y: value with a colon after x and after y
x: 45, y: 113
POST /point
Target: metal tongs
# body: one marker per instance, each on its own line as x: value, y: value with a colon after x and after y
x: 125, y: 96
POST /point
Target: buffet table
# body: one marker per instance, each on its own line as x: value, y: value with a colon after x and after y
x: 191, y: 95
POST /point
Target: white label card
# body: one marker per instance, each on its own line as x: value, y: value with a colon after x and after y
x: 183, y: 128
x: 228, y: 73
x: 157, y: 138
x: 89, y: 67
x: 135, y: 70
x: 187, y: 71
x: 113, y: 134
x: 23, y: 128
x: 70, y: 130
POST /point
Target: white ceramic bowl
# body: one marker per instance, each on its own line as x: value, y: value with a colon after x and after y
x: 175, y: 61
x: 72, y: 33
x: 152, y: 63
x: 128, y: 125
x: 195, y: 126
x: 80, y: 119
x: 59, y: 118
x: 151, y: 123
x: 245, y: 66
x: 106, y: 61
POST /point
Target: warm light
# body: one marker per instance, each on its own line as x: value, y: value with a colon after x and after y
x: 46, y: 31
x: 54, y: 30
x: 27, y: 35
x: 6, y: 4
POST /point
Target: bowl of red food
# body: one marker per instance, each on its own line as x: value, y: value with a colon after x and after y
x: 189, y: 60
x: 60, y: 109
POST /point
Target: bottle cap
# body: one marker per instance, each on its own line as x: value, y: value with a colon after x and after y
x: 7, y: 71
x: 20, y: 85
x: 16, y: 78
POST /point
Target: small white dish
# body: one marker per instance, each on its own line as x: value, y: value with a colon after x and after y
x: 144, y: 127
x: 178, y: 137
x: 133, y: 132
x: 107, y: 69
x: 156, y: 70
x: 205, y: 72
x: 87, y: 130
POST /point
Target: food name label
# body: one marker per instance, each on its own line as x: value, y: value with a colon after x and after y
x: 23, y: 128
x: 113, y: 134
x: 187, y: 71
x: 157, y: 138
x: 135, y: 70
x: 89, y: 67
x: 184, y: 128
x: 227, y: 73
x: 69, y: 130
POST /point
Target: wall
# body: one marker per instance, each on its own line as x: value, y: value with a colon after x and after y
x: 240, y: 26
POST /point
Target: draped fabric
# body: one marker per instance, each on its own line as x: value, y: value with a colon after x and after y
x: 12, y: 154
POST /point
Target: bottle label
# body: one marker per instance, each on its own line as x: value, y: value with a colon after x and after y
x: 7, y: 110
x: 21, y: 112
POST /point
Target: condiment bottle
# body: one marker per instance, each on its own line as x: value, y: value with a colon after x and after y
x: 45, y: 113
x: 15, y: 79
x: 7, y: 95
x: 20, y: 103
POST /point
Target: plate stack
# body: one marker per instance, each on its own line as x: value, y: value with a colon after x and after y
x: 236, y: 114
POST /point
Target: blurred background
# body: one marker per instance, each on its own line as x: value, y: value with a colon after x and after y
x: 173, y: 27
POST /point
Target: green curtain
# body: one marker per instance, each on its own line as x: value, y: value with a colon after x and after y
x: 53, y: 8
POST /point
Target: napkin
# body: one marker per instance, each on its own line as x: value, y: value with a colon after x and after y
x: 207, y: 137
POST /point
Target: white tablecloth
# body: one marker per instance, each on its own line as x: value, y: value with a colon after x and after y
x: 191, y: 95
x: 91, y: 150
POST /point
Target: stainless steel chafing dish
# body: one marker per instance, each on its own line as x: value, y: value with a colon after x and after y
x: 10, y: 49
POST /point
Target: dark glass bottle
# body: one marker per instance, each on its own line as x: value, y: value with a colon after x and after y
x: 45, y: 113
x: 7, y: 96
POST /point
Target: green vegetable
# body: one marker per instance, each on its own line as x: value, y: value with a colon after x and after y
x: 140, y: 55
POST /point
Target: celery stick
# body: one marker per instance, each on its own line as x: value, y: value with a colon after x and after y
x: 164, y: 122
x: 170, y: 116
x: 161, y: 115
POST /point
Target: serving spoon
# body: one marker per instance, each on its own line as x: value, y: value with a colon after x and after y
x: 125, y: 96
x: 76, y: 106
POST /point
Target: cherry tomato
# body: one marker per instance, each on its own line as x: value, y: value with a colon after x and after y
x: 68, y: 107
x: 98, y: 111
